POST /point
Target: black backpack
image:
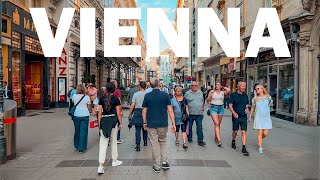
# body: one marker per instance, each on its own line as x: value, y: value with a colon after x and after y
x: 69, y: 93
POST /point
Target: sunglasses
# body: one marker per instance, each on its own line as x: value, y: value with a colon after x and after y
x: 194, y: 85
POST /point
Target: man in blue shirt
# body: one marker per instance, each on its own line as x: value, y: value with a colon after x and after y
x: 156, y: 106
x: 239, y: 107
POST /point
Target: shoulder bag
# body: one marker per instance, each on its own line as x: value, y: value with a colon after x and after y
x: 73, y: 109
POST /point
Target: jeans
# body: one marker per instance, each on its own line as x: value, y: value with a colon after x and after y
x: 138, y: 134
x: 81, y: 132
x: 198, y: 119
x: 158, y: 139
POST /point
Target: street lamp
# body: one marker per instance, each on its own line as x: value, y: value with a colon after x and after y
x: 3, y: 142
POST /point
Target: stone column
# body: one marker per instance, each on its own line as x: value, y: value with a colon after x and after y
x: 308, y: 67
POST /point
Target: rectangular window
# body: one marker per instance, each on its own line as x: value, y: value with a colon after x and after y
x: 240, y: 5
x: 285, y: 90
x: 16, y: 83
x: 100, y: 35
x: 268, y: 3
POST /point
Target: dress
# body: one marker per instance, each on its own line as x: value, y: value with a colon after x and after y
x: 262, y: 119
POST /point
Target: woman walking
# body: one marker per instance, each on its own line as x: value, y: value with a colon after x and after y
x: 81, y: 119
x: 109, y: 116
x: 216, y: 100
x: 181, y: 113
x: 261, y: 111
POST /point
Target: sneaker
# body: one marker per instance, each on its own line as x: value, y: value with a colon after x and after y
x: 260, y: 150
x: 189, y: 140
x: 109, y: 143
x: 137, y: 148
x: 185, y: 146
x: 165, y: 165
x: 201, y: 143
x: 100, y: 170
x: 219, y: 144
x: 81, y: 152
x: 245, y: 152
x: 120, y: 141
x: 116, y: 163
x: 145, y: 143
x: 233, y: 144
x: 155, y: 170
x: 216, y: 140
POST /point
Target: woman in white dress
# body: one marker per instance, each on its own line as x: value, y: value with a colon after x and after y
x: 261, y: 111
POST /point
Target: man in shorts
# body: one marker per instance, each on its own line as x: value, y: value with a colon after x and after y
x: 239, y: 108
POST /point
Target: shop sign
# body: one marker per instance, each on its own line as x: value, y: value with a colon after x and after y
x: 62, y: 62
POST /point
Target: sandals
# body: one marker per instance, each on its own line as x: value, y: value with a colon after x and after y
x: 177, y: 143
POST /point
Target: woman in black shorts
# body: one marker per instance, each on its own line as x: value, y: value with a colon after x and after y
x: 181, y: 113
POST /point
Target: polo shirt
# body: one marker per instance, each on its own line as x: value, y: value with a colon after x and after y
x: 195, y: 102
x: 239, y: 102
x: 157, y: 103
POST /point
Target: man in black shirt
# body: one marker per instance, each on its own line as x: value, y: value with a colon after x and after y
x: 239, y: 107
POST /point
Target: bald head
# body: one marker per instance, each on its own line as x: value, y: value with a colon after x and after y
x: 154, y: 82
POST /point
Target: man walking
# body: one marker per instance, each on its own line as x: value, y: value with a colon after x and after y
x: 135, y: 115
x: 156, y: 106
x: 239, y: 108
x: 132, y: 91
x: 195, y: 101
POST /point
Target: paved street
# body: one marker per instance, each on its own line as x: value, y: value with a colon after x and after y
x: 45, y: 151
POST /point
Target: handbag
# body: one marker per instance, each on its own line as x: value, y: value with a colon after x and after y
x: 184, y: 114
x: 73, y: 109
x: 208, y: 112
x: 94, y: 124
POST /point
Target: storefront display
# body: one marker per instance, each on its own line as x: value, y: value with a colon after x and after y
x: 263, y: 76
x: 16, y: 79
x: 33, y: 84
x: 52, y: 80
x: 286, y: 87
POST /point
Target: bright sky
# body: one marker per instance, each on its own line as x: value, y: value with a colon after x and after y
x: 169, y: 7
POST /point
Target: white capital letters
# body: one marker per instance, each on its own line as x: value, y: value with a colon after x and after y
x: 113, y: 31
x: 276, y: 40
x: 52, y: 46
x: 229, y: 40
x: 178, y: 41
x: 87, y: 32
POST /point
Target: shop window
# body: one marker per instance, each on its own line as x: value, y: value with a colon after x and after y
x: 16, y: 80
x: 286, y: 87
x: 52, y: 80
x: 268, y: 3
x: 263, y: 76
x: 33, y: 82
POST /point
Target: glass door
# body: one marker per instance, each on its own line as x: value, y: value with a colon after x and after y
x: 286, y: 87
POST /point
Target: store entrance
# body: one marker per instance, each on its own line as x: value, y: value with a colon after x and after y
x: 33, y: 80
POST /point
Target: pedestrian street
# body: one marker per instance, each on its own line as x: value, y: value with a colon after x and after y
x: 45, y: 151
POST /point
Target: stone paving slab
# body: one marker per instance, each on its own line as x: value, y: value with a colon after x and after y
x: 44, y: 141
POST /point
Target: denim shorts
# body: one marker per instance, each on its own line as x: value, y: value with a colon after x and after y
x: 214, y: 109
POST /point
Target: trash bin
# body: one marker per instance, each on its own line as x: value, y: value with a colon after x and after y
x: 10, y: 127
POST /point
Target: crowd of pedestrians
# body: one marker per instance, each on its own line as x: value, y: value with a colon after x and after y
x: 152, y: 104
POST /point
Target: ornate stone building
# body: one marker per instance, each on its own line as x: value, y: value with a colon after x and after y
x: 309, y: 38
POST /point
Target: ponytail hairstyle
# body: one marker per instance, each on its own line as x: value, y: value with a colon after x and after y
x: 110, y: 87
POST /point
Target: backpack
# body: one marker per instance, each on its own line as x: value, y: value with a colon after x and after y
x: 69, y: 93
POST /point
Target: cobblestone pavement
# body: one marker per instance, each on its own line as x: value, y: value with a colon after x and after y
x: 45, y: 151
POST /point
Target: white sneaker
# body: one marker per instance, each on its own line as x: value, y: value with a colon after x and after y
x: 116, y: 163
x: 100, y: 170
x: 120, y: 141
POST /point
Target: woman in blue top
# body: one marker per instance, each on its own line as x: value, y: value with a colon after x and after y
x: 261, y: 111
x: 81, y: 119
x: 181, y: 113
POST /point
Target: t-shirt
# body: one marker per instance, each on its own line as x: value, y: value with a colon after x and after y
x: 149, y: 90
x: 82, y: 108
x: 132, y: 91
x: 195, y: 102
x: 217, y: 98
x: 117, y: 93
x: 138, y: 98
x: 239, y: 102
x: 114, y: 102
x: 157, y: 103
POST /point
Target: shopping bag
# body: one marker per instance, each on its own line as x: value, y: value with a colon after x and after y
x: 94, y: 124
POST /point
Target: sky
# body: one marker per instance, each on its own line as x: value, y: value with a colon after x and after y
x: 169, y: 7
